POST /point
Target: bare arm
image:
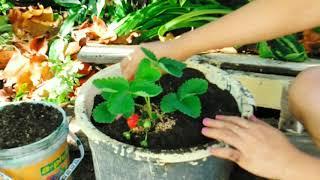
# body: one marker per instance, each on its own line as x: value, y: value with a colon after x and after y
x: 256, y: 21
x: 259, y: 20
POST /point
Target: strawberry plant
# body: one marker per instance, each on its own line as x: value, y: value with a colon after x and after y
x: 121, y: 95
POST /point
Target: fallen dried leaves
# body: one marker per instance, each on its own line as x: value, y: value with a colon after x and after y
x: 6, y: 94
x: 5, y: 56
x: 22, y: 71
x: 27, y: 70
x: 96, y: 30
x: 33, y: 21
x: 311, y: 42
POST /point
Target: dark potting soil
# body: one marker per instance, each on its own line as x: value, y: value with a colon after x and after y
x: 187, y: 131
x: 26, y: 123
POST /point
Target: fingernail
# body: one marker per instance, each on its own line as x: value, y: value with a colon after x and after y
x: 219, y: 117
x: 205, y: 121
x: 204, y: 130
x: 253, y: 118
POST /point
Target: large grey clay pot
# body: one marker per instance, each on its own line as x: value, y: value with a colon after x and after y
x: 114, y: 160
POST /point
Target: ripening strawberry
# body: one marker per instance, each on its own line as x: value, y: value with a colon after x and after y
x: 132, y: 121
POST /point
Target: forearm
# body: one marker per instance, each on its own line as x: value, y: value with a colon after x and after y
x: 302, y: 166
x: 256, y: 21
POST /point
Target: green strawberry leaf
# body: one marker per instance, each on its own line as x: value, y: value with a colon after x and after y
x: 112, y: 85
x: 190, y: 106
x: 168, y: 103
x: 145, y: 88
x: 121, y: 103
x: 149, y: 54
x: 102, y: 115
x: 147, y: 72
x: 106, y: 95
x: 192, y: 87
x: 171, y: 66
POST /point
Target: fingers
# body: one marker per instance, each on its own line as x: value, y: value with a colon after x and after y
x: 126, y: 69
x: 218, y: 124
x: 226, y: 153
x: 123, y: 65
x: 258, y: 121
x: 235, y: 120
x: 224, y: 135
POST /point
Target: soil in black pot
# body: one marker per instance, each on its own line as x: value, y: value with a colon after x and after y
x: 187, y: 131
x: 27, y: 123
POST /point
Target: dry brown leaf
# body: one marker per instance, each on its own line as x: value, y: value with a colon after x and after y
x: 72, y: 48
x: 39, y: 45
x: 311, y: 41
x: 46, y: 72
x: 5, y: 56
x: 38, y: 12
x: 35, y: 21
x: 39, y: 70
x: 97, y: 30
x: 23, y: 46
x: 6, y: 94
x: 85, y: 24
x: 79, y: 34
x: 24, y: 79
x: 125, y: 39
x: 16, y: 65
x: 21, y: 70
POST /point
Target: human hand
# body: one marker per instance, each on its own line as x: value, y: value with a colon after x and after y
x: 130, y: 64
x: 258, y: 147
x: 160, y: 49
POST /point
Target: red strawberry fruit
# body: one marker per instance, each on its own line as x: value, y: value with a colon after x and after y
x: 132, y: 121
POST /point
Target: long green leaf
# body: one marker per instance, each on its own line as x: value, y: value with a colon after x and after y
x: 100, y: 5
x: 3, y: 20
x: 264, y: 50
x: 68, y: 3
x: 68, y: 24
x: 5, y: 28
x: 5, y: 38
x: 182, y: 2
x: 190, y: 15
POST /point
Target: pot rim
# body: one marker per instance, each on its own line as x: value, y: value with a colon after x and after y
x: 42, y: 144
x: 138, y: 153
